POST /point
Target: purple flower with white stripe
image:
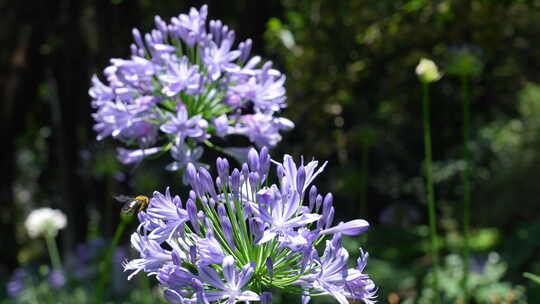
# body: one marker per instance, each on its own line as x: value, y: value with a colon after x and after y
x: 153, y: 257
x: 184, y: 155
x: 180, y: 76
x: 181, y: 125
x: 238, y: 237
x: 127, y: 156
x: 262, y: 129
x: 219, y: 59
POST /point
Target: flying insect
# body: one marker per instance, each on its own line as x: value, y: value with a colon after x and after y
x: 133, y: 204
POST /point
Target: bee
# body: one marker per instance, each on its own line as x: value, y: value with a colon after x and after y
x: 133, y: 204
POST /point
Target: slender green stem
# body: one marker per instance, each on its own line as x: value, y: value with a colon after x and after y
x: 211, y: 145
x: 466, y: 186
x: 53, y: 252
x: 145, y: 282
x: 105, y: 265
x: 430, y: 190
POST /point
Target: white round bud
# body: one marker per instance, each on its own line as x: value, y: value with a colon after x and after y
x: 427, y: 71
x: 45, y: 222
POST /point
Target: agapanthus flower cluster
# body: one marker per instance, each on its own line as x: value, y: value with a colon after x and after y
x: 187, y: 83
x: 45, y: 222
x: 238, y: 237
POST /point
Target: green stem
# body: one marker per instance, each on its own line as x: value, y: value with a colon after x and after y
x: 466, y: 186
x: 430, y: 190
x: 211, y: 145
x: 145, y: 282
x: 104, y: 269
x: 53, y: 252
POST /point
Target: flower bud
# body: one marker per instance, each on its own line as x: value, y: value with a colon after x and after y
x: 254, y: 181
x: 269, y: 266
x: 300, y: 180
x: 318, y: 202
x: 264, y: 162
x: 427, y: 71
x: 223, y: 170
x: 253, y: 160
x: 192, y: 213
x: 353, y: 227
x: 266, y: 297
x: 312, y: 197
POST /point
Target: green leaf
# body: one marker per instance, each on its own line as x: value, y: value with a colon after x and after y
x: 532, y: 277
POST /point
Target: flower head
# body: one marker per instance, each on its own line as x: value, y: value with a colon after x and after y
x: 237, y: 237
x: 464, y: 62
x: 45, y: 222
x: 428, y: 71
x: 186, y: 83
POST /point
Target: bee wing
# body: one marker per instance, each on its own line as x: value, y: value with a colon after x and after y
x: 127, y: 208
x: 123, y: 198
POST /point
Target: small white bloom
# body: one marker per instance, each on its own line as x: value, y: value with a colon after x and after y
x: 45, y: 222
x: 427, y: 71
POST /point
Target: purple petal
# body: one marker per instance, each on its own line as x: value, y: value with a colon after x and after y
x: 210, y: 276
x: 353, y: 227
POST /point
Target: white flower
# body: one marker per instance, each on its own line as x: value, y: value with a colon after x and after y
x: 45, y: 222
x: 427, y: 71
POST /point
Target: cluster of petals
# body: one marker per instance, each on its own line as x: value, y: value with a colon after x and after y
x: 45, y: 222
x: 185, y: 83
x: 236, y: 237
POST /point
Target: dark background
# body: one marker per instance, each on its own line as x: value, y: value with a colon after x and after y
x: 352, y: 93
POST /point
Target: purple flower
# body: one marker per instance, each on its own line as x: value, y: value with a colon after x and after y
x: 56, y: 278
x: 359, y: 286
x: 191, y: 28
x: 269, y: 95
x: 127, y: 156
x: 182, y: 125
x: 330, y: 278
x: 172, y: 275
x: 183, y: 155
x: 184, y: 84
x: 125, y: 121
x: 153, y: 257
x: 291, y: 172
x: 209, y: 249
x: 262, y: 129
x: 271, y: 230
x: 181, y: 76
x: 100, y: 93
x: 17, y: 284
x: 235, y: 280
x: 170, y: 214
x: 281, y: 214
x: 219, y: 59
x: 353, y: 227
x: 134, y: 74
x: 221, y: 124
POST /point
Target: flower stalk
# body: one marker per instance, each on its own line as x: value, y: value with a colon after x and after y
x: 53, y: 252
x: 429, y: 188
x: 466, y: 186
x: 105, y: 265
